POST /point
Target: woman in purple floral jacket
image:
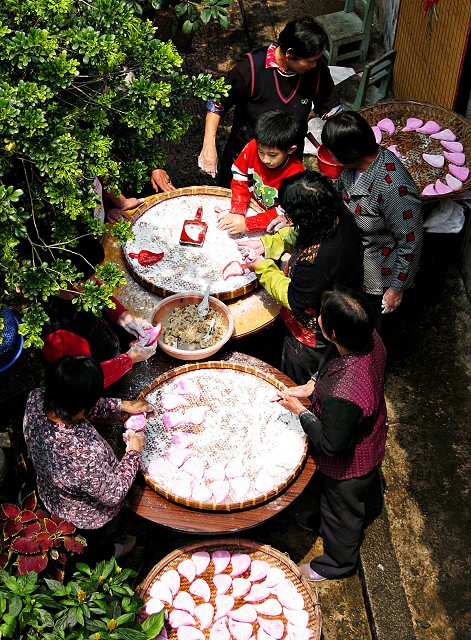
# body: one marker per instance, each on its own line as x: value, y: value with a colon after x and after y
x: 347, y: 425
x: 79, y: 477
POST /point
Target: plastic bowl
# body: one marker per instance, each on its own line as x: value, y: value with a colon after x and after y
x: 327, y: 164
x: 168, y: 305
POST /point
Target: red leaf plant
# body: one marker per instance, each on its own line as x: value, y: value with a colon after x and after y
x: 34, y: 540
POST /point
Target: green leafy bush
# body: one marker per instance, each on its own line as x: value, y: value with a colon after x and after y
x: 98, y: 604
x: 86, y: 89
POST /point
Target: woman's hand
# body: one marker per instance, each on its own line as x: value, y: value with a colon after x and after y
x: 121, y: 211
x: 291, y: 403
x: 257, y: 245
x: 139, y: 351
x: 135, y: 441
x: 391, y: 300
x: 208, y: 158
x: 135, y: 325
x: 232, y: 223
x: 277, y: 223
x: 161, y: 181
x: 137, y: 406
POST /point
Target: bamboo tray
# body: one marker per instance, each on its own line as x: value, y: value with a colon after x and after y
x: 256, y: 551
x: 196, y: 266
x: 411, y: 145
x: 236, y: 424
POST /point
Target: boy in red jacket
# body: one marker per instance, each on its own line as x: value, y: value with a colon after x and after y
x: 259, y: 170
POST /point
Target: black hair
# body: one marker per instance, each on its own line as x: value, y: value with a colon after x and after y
x: 350, y: 316
x: 349, y: 137
x: 312, y: 204
x: 278, y: 130
x: 74, y: 384
x: 303, y: 38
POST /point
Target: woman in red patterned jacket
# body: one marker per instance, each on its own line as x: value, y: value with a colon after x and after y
x: 347, y: 425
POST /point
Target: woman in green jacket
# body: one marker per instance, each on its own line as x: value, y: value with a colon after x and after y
x: 325, y: 251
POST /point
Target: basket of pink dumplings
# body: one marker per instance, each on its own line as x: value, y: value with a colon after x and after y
x: 432, y: 142
x: 231, y: 589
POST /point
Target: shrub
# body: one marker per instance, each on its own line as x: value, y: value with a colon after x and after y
x: 86, y: 90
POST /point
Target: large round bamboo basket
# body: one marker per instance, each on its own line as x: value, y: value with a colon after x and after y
x: 256, y: 551
x: 412, y: 145
x: 178, y: 372
x: 220, y: 192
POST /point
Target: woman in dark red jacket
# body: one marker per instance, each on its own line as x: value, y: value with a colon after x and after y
x: 347, y: 425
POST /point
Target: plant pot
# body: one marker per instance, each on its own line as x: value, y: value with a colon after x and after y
x: 12, y: 344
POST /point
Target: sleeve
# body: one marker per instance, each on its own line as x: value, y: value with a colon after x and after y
x: 114, y: 314
x: 334, y: 434
x: 239, y: 78
x: 402, y: 211
x: 239, y: 186
x: 326, y: 96
x: 274, y: 281
x: 279, y: 243
x: 105, y: 408
x: 115, y: 368
x: 109, y: 484
x: 260, y: 221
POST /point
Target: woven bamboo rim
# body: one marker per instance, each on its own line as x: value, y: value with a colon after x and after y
x: 257, y: 552
x: 152, y: 201
x: 409, y: 143
x: 228, y: 506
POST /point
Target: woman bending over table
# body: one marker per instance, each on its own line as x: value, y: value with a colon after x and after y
x: 79, y: 478
x: 347, y: 425
x: 325, y: 250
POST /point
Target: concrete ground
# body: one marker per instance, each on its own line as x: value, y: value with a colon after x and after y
x: 413, y: 580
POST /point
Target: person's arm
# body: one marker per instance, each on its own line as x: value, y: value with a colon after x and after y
x: 403, y: 218
x: 109, y: 484
x: 260, y: 221
x: 274, y: 281
x: 208, y: 157
x: 120, y: 205
x: 334, y: 434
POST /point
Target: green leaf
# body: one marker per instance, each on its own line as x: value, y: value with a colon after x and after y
x: 187, y: 27
x: 154, y: 624
x: 205, y: 15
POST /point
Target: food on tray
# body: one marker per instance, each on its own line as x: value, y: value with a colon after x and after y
x: 215, y: 461
x: 442, y: 188
x: 446, y: 134
x: 186, y: 268
x: 234, y: 268
x: 461, y: 173
x: 378, y: 135
x: 453, y: 182
x: 185, y: 326
x: 412, y: 124
x: 429, y: 127
x: 172, y: 579
x: 238, y: 608
x: 173, y: 400
x: 452, y: 146
x: 455, y: 158
x: 436, y: 161
x: 393, y: 148
x: 386, y: 124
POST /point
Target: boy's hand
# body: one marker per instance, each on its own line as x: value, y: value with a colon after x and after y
x: 233, y: 223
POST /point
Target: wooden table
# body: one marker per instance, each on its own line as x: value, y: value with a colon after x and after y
x: 148, y: 504
x: 251, y: 312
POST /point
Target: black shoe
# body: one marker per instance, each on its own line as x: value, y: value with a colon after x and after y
x: 309, y: 519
